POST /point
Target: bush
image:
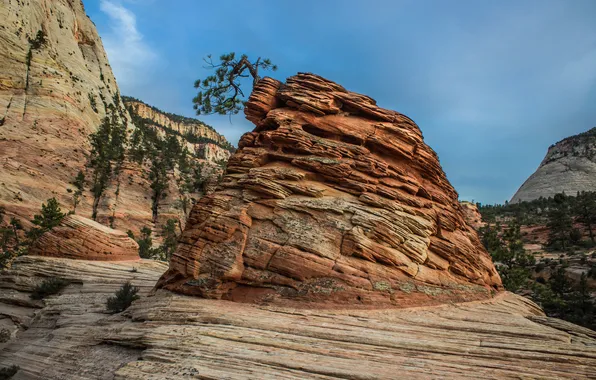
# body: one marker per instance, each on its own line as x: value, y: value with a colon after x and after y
x: 123, y: 298
x: 4, y: 335
x: 8, y: 372
x: 49, y: 287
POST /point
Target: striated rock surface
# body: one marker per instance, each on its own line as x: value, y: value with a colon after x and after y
x: 334, y: 200
x: 569, y: 167
x: 54, y: 92
x: 200, y: 139
x: 472, y: 215
x: 171, y: 336
x: 80, y: 238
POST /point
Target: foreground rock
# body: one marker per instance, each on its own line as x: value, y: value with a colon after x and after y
x: 170, y: 336
x: 330, y: 199
x: 80, y: 238
x: 569, y: 167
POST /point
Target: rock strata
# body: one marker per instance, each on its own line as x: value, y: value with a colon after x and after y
x: 172, y: 336
x: 331, y: 199
x: 569, y: 167
x: 80, y: 238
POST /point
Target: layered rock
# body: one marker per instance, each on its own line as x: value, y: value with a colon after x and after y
x: 569, y: 167
x: 171, y: 336
x: 200, y: 139
x: 331, y: 199
x: 56, y: 86
x: 472, y: 215
x: 80, y: 238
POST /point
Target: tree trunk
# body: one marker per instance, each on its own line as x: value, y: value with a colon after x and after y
x: 95, y: 205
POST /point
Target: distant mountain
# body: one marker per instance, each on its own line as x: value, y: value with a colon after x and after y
x: 569, y: 167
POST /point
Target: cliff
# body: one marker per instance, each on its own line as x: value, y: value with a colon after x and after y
x: 56, y: 87
x: 569, y: 167
x: 201, y: 139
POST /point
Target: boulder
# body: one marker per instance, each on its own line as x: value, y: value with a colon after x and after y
x: 331, y: 200
x: 80, y: 238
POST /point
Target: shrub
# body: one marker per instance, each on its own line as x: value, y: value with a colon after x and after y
x: 49, y: 287
x: 8, y: 372
x: 123, y: 298
x: 4, y: 335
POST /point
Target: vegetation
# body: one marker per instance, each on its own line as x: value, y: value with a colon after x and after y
x: 79, y: 184
x: 8, y: 372
x: 108, y: 147
x: 547, y: 281
x: 51, y: 215
x: 164, y: 251
x: 11, y: 245
x: 221, y: 93
x: 49, y: 287
x: 123, y: 298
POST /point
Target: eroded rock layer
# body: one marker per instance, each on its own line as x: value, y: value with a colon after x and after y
x: 80, y: 238
x: 170, y: 336
x: 334, y: 200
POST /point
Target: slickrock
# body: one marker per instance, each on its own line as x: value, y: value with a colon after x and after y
x: 330, y: 200
x: 80, y: 238
x: 569, y: 167
x: 172, y: 336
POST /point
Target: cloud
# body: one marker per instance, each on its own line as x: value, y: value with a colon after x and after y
x: 132, y: 59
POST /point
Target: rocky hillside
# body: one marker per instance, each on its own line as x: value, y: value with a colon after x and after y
x: 201, y: 139
x: 56, y: 88
x: 569, y: 167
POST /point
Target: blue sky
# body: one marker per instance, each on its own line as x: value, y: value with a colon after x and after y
x: 491, y: 84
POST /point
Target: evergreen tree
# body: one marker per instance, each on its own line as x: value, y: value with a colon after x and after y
x: 585, y: 209
x: 107, y: 156
x: 51, y: 215
x: 170, y: 239
x: 559, y: 222
x: 145, y: 243
x: 79, y: 184
x: 221, y: 92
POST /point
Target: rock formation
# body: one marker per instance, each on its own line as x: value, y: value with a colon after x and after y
x: 204, y: 142
x: 171, y: 336
x: 472, y: 215
x: 56, y: 86
x: 80, y: 238
x: 569, y: 167
x: 331, y: 199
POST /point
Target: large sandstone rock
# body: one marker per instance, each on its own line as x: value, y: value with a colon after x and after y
x: 171, y: 336
x: 80, y: 238
x: 331, y: 199
x: 569, y: 167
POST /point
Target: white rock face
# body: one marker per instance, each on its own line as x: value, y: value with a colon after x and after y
x: 569, y: 167
x: 168, y: 336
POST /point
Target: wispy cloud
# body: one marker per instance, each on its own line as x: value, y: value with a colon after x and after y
x: 132, y: 59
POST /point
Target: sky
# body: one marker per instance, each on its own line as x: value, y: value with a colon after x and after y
x: 491, y: 84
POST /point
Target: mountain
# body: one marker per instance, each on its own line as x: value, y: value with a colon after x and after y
x: 569, y: 167
x: 56, y: 89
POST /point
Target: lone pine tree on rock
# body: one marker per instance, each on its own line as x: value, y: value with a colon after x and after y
x: 221, y: 93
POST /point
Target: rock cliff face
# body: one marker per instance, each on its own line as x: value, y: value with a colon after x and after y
x: 56, y: 86
x: 569, y: 166
x: 81, y: 238
x: 331, y: 199
x: 200, y: 139
x: 171, y: 336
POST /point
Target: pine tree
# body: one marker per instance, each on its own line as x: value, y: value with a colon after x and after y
x: 79, y: 184
x: 51, y: 215
x: 170, y: 238
x: 585, y: 209
x: 559, y: 222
